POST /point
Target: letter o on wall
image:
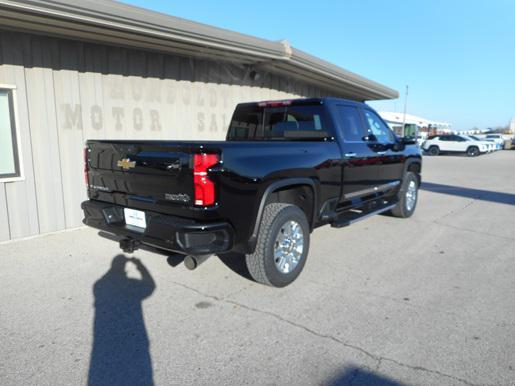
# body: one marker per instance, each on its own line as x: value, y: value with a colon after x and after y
x: 137, y: 118
x: 96, y: 117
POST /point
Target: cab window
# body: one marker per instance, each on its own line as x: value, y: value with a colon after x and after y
x: 378, y: 128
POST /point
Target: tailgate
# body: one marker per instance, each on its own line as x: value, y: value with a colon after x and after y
x: 140, y: 174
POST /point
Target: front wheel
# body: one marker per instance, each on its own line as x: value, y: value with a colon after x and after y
x: 433, y: 150
x: 473, y: 151
x: 282, y: 246
x: 408, y: 196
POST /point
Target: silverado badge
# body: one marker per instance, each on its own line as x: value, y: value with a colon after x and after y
x: 126, y: 164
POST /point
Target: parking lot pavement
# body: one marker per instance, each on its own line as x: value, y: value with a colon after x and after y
x: 428, y: 300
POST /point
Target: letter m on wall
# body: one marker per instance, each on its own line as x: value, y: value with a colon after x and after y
x: 72, y: 116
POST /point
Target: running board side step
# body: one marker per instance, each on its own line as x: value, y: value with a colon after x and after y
x: 353, y: 216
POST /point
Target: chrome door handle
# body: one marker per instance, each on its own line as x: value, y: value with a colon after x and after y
x: 350, y: 154
x: 381, y: 152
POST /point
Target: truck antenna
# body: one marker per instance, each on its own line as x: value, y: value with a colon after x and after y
x: 405, y: 107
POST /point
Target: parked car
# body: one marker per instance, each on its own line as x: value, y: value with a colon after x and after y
x: 285, y: 168
x: 490, y: 146
x: 497, y: 139
x: 452, y: 143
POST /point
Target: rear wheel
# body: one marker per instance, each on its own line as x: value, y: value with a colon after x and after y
x: 473, y: 151
x: 433, y: 150
x: 408, y: 196
x: 282, y: 246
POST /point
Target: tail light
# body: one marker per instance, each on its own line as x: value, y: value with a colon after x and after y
x: 86, y: 166
x: 203, y: 186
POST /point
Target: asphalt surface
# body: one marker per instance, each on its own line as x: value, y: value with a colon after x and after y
x: 429, y: 300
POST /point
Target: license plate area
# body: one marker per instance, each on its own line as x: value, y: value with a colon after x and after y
x: 135, y: 218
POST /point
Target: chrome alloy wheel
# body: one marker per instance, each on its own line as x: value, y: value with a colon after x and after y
x: 288, y: 247
x: 411, y: 195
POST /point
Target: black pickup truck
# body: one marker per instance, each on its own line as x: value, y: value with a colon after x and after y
x: 285, y: 168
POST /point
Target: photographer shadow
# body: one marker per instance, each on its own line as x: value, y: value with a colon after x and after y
x: 121, y: 354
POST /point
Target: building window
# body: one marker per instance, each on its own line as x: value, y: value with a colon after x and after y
x: 10, y: 168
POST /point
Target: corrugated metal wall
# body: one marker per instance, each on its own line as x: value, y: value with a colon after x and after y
x: 69, y: 91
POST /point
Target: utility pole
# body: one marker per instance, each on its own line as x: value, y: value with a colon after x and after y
x: 405, y: 107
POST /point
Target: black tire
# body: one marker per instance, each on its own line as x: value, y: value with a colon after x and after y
x: 402, y: 209
x: 433, y: 150
x: 473, y: 151
x: 261, y: 264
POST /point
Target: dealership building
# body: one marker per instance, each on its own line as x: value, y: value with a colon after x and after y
x: 77, y: 70
x: 423, y: 126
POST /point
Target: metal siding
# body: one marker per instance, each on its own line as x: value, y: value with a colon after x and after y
x: 44, y: 138
x: 92, y: 92
x: 69, y: 126
x: 114, y: 86
x: 172, y: 95
x: 20, y: 195
x: 4, y: 215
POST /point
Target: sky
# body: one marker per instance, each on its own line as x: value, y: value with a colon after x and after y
x: 457, y: 57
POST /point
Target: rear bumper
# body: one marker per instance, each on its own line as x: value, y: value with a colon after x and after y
x: 169, y: 233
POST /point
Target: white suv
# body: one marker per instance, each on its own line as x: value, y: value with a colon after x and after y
x: 497, y: 139
x: 454, y: 144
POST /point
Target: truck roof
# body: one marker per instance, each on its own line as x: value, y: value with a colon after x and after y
x: 302, y: 101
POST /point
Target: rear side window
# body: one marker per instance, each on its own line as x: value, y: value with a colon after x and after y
x: 305, y: 117
x: 275, y: 123
x: 350, y: 121
x: 246, y: 122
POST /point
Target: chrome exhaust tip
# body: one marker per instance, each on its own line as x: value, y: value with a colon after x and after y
x: 192, y: 262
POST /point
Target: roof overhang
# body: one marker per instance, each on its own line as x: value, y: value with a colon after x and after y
x: 120, y: 24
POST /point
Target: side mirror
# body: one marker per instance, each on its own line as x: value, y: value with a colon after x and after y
x: 401, y: 143
x: 408, y: 140
x: 398, y: 145
x: 369, y: 138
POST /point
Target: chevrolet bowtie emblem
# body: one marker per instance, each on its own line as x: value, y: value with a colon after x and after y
x: 126, y: 164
